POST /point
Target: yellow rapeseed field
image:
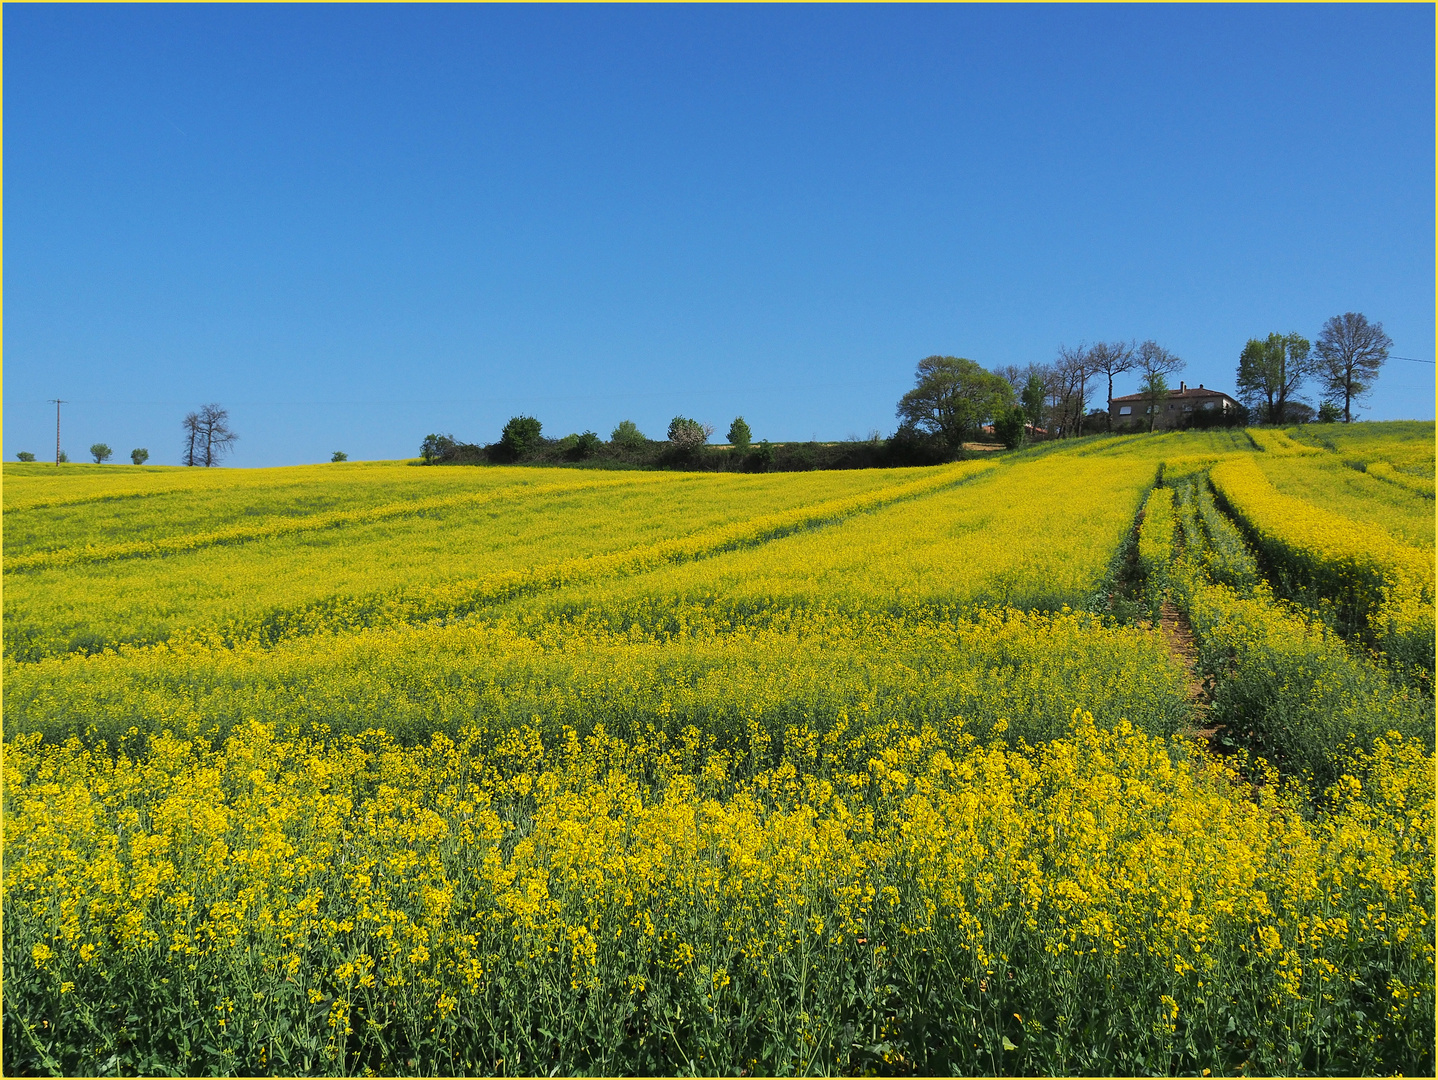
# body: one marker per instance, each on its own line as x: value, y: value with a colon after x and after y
x: 390, y: 769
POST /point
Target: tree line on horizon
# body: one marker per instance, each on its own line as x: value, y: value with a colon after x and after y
x: 954, y: 401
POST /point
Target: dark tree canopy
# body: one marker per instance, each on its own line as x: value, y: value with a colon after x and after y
x: 520, y: 436
x: 952, y: 398
x: 436, y: 448
x: 1347, y: 355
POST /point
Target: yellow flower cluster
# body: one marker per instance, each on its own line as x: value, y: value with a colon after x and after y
x: 366, y: 904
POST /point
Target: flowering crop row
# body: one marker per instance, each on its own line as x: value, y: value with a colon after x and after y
x: 1277, y: 442
x: 272, y: 528
x: 1285, y: 685
x: 1422, y: 485
x: 1340, y: 488
x: 738, y: 684
x: 458, y: 599
x: 1358, y: 575
x: 1155, y: 534
x: 88, y: 607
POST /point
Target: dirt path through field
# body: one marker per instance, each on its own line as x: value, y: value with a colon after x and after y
x: 1178, y: 637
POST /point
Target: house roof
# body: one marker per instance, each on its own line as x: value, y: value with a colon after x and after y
x: 1184, y: 391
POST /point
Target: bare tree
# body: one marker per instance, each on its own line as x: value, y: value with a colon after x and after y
x: 192, y: 453
x: 1110, y: 359
x: 1350, y: 350
x: 1157, y: 364
x: 1073, y: 370
x: 208, y: 436
x: 1270, y: 371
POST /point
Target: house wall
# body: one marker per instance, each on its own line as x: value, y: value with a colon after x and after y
x: 1171, y: 414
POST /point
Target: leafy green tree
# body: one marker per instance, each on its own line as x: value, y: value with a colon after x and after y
x: 339, y: 455
x: 763, y: 455
x: 1328, y: 412
x: 1270, y: 371
x: 739, y: 434
x: 628, y: 435
x: 100, y: 452
x: 578, y: 447
x: 520, y: 437
x: 1350, y: 350
x: 1035, y: 392
x: 25, y: 455
x: 139, y: 455
x: 1009, y: 426
x: 1155, y: 394
x: 952, y: 398
x: 1156, y: 363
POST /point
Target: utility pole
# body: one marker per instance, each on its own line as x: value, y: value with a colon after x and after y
x: 58, y: 402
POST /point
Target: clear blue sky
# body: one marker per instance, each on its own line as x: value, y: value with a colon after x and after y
x: 357, y: 225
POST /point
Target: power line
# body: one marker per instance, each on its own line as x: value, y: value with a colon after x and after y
x: 1410, y: 359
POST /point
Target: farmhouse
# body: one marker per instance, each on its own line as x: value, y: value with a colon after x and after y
x: 1175, y: 410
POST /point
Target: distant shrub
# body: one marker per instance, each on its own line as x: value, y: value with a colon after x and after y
x: 62, y: 457
x: 739, y: 434
x: 587, y: 445
x: 139, y: 455
x: 628, y: 435
x: 520, y: 437
x: 762, y: 456
x: 686, y: 434
x: 1009, y: 426
x: 436, y: 448
x: 25, y: 455
x: 911, y: 446
x: 339, y: 455
x: 100, y: 452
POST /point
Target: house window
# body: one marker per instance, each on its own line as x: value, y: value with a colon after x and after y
x: 1188, y: 408
x: 1208, y: 404
x: 1125, y: 410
